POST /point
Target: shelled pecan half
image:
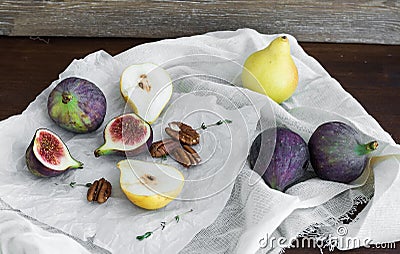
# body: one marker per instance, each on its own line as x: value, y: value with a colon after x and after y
x: 183, y: 132
x: 99, y: 191
x: 163, y: 147
x: 186, y: 156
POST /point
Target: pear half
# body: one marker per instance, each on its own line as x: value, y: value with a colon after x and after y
x: 272, y: 71
x: 147, y: 88
x: 149, y: 185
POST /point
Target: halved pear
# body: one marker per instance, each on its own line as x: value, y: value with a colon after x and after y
x: 147, y: 88
x: 149, y: 185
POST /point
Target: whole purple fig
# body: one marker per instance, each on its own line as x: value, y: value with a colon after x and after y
x: 77, y: 105
x: 337, y: 152
x: 280, y: 156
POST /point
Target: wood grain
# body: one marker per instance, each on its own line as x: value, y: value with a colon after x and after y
x: 371, y: 73
x: 361, y: 21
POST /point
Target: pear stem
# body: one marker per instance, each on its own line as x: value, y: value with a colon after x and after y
x: 162, y: 225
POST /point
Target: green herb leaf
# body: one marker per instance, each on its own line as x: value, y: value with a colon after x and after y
x: 162, y: 225
x: 204, y: 126
x: 142, y: 237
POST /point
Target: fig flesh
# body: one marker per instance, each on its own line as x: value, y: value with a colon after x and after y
x: 337, y: 152
x: 47, y: 155
x: 127, y: 134
x: 280, y: 156
x: 77, y: 105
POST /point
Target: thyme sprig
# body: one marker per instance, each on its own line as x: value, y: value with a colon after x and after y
x: 74, y: 184
x: 204, y: 126
x: 162, y: 225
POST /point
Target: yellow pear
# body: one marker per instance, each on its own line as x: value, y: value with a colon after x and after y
x: 149, y: 185
x: 272, y: 71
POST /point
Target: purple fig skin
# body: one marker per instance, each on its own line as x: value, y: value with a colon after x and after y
x: 77, y: 105
x: 128, y: 153
x: 337, y: 153
x: 37, y: 168
x: 283, y: 166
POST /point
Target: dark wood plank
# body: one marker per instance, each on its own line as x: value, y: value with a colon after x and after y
x: 371, y: 73
x: 365, y: 21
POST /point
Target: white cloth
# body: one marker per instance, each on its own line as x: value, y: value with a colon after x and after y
x: 226, y: 217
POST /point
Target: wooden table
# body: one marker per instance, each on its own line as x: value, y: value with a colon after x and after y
x: 371, y: 73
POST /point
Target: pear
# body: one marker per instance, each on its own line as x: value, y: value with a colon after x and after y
x: 272, y: 71
x: 147, y: 88
x: 149, y: 185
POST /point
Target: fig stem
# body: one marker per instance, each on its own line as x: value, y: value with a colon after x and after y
x: 100, y: 152
x: 204, y: 126
x: 66, y: 97
x: 372, y: 146
x: 367, y: 148
x: 162, y: 225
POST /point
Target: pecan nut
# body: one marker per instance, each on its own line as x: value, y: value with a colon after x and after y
x: 99, y: 191
x: 193, y: 153
x: 163, y: 147
x: 183, y: 132
x: 186, y: 156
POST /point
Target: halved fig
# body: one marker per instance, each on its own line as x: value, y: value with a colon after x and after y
x: 47, y: 155
x: 127, y: 134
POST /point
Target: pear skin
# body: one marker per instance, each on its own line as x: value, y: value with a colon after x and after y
x: 149, y: 185
x: 272, y: 71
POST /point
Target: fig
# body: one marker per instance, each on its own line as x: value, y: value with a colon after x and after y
x: 77, y: 105
x: 47, y: 155
x: 127, y: 134
x: 280, y: 156
x: 337, y: 152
